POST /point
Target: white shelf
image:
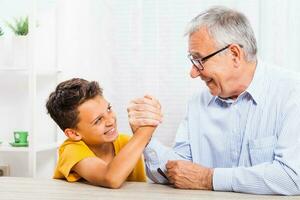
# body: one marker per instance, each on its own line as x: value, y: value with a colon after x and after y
x: 12, y: 69
x: 26, y: 71
x: 39, y: 148
x: 48, y: 71
x: 8, y: 148
x: 34, y: 80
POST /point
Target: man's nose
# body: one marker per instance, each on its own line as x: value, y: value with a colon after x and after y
x: 194, y: 73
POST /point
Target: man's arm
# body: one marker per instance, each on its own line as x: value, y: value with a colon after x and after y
x: 157, y: 155
x: 188, y: 175
x: 282, y: 175
x: 178, y: 165
x: 146, y: 111
x: 266, y: 178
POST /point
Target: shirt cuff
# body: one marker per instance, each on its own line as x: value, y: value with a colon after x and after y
x: 150, y: 153
x: 222, y: 179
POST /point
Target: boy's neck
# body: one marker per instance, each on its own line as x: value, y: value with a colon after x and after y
x: 105, y: 150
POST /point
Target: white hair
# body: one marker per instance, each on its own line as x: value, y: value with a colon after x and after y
x: 226, y: 26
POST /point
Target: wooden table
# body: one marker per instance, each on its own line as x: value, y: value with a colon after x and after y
x: 15, y: 188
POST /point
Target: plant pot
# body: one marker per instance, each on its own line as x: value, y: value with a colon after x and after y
x: 3, y: 52
x: 20, y: 51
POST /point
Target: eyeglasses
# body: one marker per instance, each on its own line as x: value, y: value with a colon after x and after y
x: 198, y: 62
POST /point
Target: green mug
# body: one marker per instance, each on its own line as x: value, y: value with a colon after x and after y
x: 21, y: 137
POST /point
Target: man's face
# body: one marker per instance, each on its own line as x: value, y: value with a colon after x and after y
x: 97, y: 122
x: 218, y: 70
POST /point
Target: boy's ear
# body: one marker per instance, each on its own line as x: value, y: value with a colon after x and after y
x: 72, y: 134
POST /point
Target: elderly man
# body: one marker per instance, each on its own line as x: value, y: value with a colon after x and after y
x: 243, y: 133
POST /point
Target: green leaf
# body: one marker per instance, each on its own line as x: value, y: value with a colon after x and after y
x: 1, y: 32
x: 20, y: 26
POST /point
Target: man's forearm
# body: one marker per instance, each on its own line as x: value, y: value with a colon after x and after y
x: 266, y: 178
x: 156, y: 156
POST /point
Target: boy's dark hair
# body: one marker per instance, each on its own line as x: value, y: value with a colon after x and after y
x: 63, y: 103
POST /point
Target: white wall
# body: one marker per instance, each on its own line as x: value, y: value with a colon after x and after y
x: 135, y: 47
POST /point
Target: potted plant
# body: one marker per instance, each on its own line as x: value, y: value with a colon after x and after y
x: 20, y: 41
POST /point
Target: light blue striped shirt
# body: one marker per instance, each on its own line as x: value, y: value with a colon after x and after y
x: 253, y: 142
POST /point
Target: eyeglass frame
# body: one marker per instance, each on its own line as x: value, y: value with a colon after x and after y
x: 200, y: 61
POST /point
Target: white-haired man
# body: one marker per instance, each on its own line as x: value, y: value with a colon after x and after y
x: 243, y: 133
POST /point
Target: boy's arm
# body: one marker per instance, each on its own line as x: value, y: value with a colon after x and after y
x: 113, y: 174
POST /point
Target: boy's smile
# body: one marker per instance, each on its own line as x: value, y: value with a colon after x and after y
x: 111, y: 132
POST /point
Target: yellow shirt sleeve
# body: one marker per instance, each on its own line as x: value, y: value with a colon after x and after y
x: 70, y: 153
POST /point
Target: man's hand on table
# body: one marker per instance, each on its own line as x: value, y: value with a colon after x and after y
x: 187, y: 175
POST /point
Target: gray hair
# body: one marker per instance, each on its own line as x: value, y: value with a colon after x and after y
x: 226, y: 26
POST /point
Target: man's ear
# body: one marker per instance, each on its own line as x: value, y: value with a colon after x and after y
x: 72, y: 134
x: 236, y: 54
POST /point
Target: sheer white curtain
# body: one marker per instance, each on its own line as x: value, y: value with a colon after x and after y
x: 137, y: 47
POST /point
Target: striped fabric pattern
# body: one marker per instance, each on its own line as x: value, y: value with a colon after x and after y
x: 253, y: 142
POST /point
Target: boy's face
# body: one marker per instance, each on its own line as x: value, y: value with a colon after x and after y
x: 97, y: 122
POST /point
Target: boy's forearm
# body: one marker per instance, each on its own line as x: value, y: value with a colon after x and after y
x: 124, y: 162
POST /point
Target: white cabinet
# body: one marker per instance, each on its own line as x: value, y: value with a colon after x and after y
x: 24, y: 91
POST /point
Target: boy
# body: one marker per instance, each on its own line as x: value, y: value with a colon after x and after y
x: 94, y: 150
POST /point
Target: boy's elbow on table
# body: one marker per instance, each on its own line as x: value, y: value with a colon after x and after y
x: 112, y: 182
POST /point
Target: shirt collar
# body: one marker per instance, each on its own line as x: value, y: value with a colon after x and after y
x: 256, y: 86
x: 210, y: 98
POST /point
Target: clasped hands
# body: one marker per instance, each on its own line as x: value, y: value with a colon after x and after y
x: 146, y: 111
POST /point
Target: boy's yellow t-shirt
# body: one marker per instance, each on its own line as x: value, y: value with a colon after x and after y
x: 71, y: 152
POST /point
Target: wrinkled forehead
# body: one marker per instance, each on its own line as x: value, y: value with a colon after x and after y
x: 200, y: 42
